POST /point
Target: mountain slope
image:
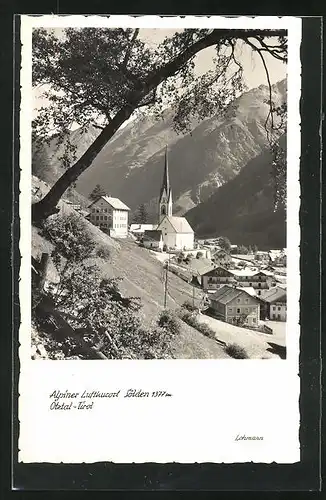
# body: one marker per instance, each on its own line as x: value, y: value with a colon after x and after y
x: 243, y: 209
x: 131, y: 165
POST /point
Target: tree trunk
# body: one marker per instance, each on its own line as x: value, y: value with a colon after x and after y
x: 48, y: 205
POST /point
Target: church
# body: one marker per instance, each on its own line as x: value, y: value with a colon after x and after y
x: 177, y: 233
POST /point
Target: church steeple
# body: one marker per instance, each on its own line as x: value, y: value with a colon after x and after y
x: 165, y: 201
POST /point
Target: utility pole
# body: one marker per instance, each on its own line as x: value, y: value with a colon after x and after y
x: 166, y: 282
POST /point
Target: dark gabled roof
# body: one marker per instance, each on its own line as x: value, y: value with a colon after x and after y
x: 114, y: 202
x: 225, y: 294
x: 200, y: 266
x: 274, y: 294
x: 150, y: 235
x: 210, y: 272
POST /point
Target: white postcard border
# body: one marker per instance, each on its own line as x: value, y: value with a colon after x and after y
x: 212, y: 400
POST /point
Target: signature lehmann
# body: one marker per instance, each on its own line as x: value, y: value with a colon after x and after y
x: 248, y: 438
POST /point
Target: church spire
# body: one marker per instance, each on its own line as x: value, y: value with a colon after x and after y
x: 165, y: 201
x: 166, y: 179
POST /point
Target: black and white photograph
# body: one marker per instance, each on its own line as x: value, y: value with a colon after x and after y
x: 159, y: 193
x: 159, y: 232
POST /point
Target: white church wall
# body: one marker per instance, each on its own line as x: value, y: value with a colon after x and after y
x: 185, y: 241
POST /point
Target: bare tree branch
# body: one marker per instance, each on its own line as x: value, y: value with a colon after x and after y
x: 270, y: 113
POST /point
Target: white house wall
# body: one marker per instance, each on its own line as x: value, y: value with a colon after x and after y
x: 108, y: 218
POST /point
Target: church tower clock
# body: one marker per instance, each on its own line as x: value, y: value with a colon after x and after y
x: 165, y: 200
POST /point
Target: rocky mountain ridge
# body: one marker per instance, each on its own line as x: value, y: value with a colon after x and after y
x: 131, y: 165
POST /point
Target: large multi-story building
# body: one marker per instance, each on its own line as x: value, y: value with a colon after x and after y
x: 235, y: 306
x: 111, y: 215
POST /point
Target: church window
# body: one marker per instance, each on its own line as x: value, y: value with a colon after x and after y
x: 163, y: 211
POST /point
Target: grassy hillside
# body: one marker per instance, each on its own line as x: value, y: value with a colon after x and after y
x: 142, y: 276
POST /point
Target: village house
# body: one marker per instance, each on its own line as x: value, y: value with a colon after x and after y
x: 275, y: 300
x: 139, y: 229
x: 198, y: 267
x: 258, y: 280
x: 278, y: 257
x: 153, y: 239
x: 222, y: 258
x: 262, y: 257
x: 235, y: 306
x: 244, y: 257
x: 111, y: 215
x: 216, y: 278
x: 177, y: 232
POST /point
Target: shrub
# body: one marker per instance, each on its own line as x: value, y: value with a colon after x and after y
x: 199, y: 255
x: 180, y: 257
x: 236, y: 351
x: 188, y: 305
x: 207, y: 331
x: 70, y: 236
x: 191, y: 319
x: 157, y: 343
x: 169, y: 321
x: 103, y: 318
x: 102, y: 251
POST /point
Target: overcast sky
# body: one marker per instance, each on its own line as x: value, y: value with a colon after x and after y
x: 254, y: 72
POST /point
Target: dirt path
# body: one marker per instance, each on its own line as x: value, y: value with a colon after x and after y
x: 256, y: 344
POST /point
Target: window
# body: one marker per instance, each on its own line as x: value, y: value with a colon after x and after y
x: 274, y: 308
x: 250, y: 284
x: 238, y: 300
x: 247, y: 310
x: 278, y: 308
x: 246, y: 301
x: 259, y: 285
x: 97, y: 217
x: 254, y: 320
x: 230, y: 309
x: 238, y: 311
x: 259, y: 292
